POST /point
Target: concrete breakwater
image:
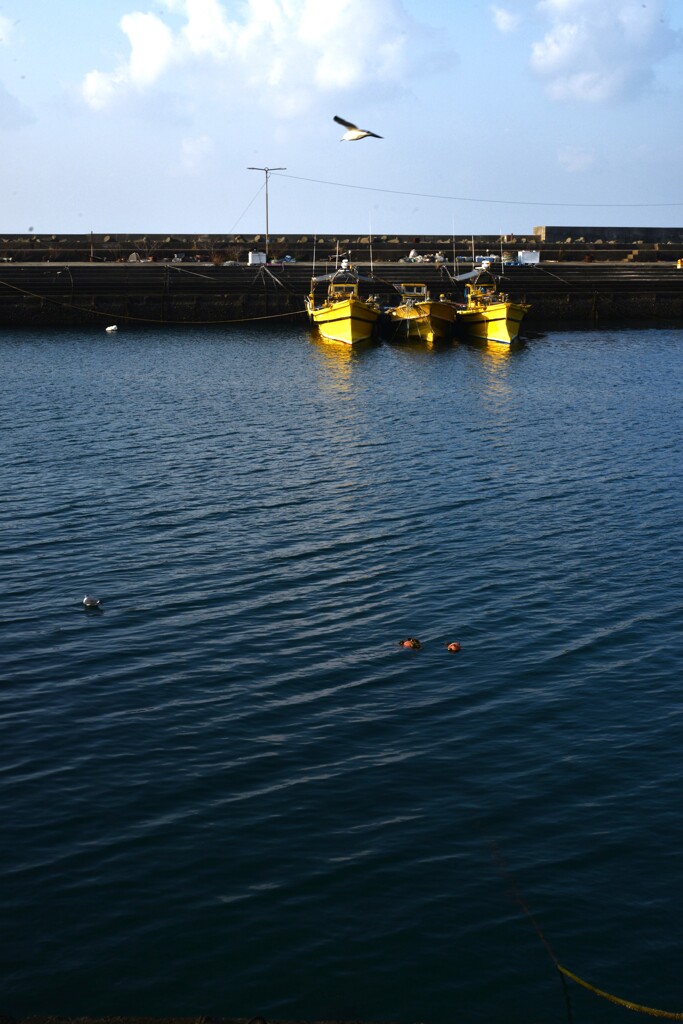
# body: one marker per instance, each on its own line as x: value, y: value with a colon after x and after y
x: 148, y: 294
x: 559, y: 244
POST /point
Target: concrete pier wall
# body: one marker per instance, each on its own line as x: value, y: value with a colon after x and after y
x: 148, y: 294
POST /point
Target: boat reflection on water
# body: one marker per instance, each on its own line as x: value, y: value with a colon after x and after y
x: 340, y: 362
x: 337, y: 358
x: 496, y: 362
x: 339, y: 351
x: 421, y: 345
x: 499, y: 350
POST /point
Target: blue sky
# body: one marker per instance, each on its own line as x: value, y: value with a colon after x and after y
x: 132, y: 116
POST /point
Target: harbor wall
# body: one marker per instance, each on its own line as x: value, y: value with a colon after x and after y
x: 626, y: 237
x: 563, y: 244
x: 153, y: 294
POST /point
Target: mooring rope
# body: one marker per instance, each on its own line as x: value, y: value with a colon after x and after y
x: 505, y: 871
x: 148, y: 319
x: 627, y: 1003
x: 564, y: 972
x: 191, y: 273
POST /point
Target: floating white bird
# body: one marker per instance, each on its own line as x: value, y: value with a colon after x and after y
x: 110, y: 330
x: 91, y: 602
x: 354, y: 133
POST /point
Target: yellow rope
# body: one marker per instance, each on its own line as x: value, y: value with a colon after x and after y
x: 562, y: 971
x: 615, y: 999
x: 147, y: 319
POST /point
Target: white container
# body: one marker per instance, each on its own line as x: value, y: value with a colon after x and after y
x: 256, y: 259
x: 528, y: 256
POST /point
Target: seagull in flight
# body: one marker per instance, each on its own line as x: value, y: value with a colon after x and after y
x: 354, y: 132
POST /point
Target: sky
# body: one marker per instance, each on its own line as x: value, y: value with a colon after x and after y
x: 143, y: 116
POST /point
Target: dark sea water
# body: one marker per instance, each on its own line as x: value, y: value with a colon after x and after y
x: 230, y: 792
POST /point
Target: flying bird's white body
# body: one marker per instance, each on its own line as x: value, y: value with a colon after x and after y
x: 353, y: 132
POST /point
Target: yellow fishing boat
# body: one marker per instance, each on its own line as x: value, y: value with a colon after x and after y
x: 489, y: 314
x: 343, y: 315
x: 420, y: 316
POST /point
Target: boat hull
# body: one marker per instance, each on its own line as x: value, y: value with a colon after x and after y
x: 424, y: 320
x: 497, y: 321
x: 348, y: 320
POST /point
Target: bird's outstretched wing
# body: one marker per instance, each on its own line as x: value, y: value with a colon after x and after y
x: 374, y: 136
x: 347, y: 124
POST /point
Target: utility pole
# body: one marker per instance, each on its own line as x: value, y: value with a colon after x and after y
x: 268, y: 171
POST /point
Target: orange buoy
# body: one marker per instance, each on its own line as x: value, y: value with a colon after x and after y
x: 411, y: 642
x: 455, y: 646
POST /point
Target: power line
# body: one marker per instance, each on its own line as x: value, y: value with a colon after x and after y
x: 250, y: 203
x: 470, y: 199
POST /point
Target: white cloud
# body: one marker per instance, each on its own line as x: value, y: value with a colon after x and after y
x: 6, y: 28
x: 207, y: 31
x: 151, y: 47
x: 574, y: 159
x: 504, y: 20
x: 283, y: 51
x: 152, y: 50
x: 194, y: 153
x: 601, y: 50
x: 99, y: 87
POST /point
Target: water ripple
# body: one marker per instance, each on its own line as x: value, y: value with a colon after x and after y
x: 233, y: 772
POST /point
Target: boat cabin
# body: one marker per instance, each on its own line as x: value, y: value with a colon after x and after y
x: 483, y: 291
x: 416, y: 292
x: 337, y: 292
x: 344, y: 285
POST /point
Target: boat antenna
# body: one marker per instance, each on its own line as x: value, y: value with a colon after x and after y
x: 473, y: 260
x: 370, y: 240
x: 268, y: 171
x: 315, y: 239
